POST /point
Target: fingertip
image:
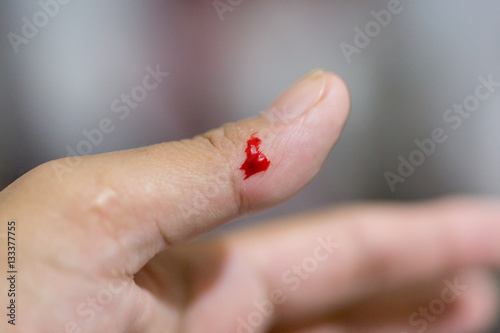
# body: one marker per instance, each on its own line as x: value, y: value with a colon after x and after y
x: 337, y: 94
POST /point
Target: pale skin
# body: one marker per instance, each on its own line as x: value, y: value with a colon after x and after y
x: 109, y: 247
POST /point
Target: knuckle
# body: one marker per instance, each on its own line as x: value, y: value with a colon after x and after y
x: 223, y: 143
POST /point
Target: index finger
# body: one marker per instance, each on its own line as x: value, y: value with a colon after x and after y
x: 345, y: 254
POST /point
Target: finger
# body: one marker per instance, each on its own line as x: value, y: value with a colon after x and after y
x: 348, y: 254
x: 417, y: 309
x: 474, y: 311
x: 161, y: 195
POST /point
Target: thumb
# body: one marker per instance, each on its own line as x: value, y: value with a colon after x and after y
x: 162, y: 195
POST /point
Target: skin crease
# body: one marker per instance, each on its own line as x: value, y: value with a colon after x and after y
x: 107, y: 249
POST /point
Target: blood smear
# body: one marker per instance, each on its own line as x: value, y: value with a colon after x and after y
x: 256, y: 161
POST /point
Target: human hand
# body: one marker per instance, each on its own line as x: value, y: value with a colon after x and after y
x: 106, y: 249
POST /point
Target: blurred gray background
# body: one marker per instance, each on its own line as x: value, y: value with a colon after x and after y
x: 226, y: 66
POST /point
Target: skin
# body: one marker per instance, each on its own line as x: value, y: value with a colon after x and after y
x: 108, y: 247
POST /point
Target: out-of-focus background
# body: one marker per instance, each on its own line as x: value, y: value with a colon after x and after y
x: 67, y: 64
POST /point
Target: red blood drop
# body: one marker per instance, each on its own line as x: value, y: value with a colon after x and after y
x: 256, y: 161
